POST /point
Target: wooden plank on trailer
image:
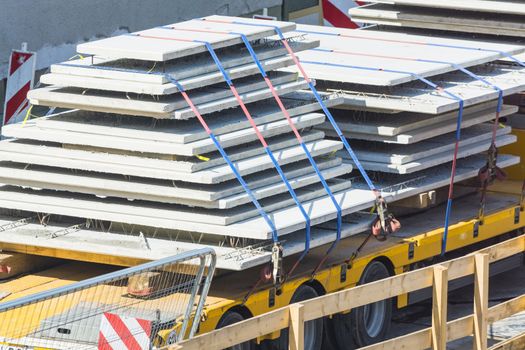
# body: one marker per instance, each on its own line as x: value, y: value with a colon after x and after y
x: 296, y: 328
x: 481, y: 300
x: 14, y: 264
x: 439, y: 308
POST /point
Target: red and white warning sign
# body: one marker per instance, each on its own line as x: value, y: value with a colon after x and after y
x: 335, y: 13
x: 123, y: 333
x: 20, y: 79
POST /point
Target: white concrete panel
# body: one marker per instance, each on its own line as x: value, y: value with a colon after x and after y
x: 172, y: 106
x: 388, y: 153
x: 458, y: 21
x: 392, y: 124
x: 167, y: 170
x: 221, y: 196
x: 510, y: 7
x: 179, y: 131
x: 184, y: 214
x: 155, y: 49
x: 286, y: 220
x: 161, y: 89
x: 381, y: 52
x: 33, y: 131
x: 436, y: 159
x: 409, y: 41
x: 216, y: 92
x: 426, y: 100
x: 416, y: 135
x: 192, y: 66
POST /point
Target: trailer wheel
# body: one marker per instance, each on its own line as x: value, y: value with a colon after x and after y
x: 230, y: 318
x: 313, y: 330
x: 371, y: 323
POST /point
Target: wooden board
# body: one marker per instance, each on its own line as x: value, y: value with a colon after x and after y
x: 14, y: 264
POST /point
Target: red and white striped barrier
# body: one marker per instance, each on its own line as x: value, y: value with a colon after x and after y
x: 20, y: 79
x: 123, y: 333
x: 335, y: 13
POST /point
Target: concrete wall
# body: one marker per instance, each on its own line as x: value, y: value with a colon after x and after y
x: 52, y: 28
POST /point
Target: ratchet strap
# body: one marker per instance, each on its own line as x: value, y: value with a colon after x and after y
x: 278, y: 277
x: 490, y: 171
x: 297, y: 135
x: 310, y: 83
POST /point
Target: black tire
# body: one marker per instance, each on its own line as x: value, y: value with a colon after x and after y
x: 338, y: 333
x: 313, y: 330
x: 343, y: 332
x: 230, y: 318
x: 371, y: 323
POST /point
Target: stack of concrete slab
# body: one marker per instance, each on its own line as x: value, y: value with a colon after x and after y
x: 470, y: 16
x: 133, y: 153
x: 132, y: 160
x: 402, y: 94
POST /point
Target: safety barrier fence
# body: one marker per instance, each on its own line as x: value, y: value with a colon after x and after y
x: 436, y: 337
x: 123, y: 309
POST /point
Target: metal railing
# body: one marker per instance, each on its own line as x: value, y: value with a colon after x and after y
x: 141, y: 307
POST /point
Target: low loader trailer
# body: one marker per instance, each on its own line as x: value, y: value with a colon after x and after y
x: 204, y: 149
